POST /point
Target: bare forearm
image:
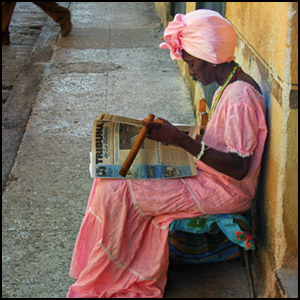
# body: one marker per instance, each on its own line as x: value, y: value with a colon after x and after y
x: 226, y: 163
x: 187, y: 143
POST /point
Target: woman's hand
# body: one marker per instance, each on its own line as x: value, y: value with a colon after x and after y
x: 163, y: 131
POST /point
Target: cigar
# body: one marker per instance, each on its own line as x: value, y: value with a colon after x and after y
x: 135, y: 148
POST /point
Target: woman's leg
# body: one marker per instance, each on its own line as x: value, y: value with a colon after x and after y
x: 130, y: 257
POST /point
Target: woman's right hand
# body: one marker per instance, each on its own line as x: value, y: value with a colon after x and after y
x: 163, y: 131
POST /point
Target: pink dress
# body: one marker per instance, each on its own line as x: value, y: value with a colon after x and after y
x: 122, y: 246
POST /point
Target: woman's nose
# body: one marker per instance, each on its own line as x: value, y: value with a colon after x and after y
x: 191, y: 71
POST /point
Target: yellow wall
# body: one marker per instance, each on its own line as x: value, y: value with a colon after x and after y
x: 190, y: 6
x: 269, y: 16
x: 163, y: 10
x: 268, y: 51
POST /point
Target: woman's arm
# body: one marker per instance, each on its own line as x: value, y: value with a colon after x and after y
x: 228, y: 163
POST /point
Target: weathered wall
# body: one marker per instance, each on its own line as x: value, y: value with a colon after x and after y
x: 268, y: 50
x: 163, y: 10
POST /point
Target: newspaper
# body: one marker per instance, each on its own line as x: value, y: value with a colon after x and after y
x: 112, y: 139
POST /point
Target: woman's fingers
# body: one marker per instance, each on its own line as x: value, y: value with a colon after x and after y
x: 161, y: 130
x: 148, y: 124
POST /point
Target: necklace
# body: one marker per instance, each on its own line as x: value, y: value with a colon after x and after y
x: 229, y: 79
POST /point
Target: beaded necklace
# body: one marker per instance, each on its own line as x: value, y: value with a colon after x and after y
x: 231, y: 76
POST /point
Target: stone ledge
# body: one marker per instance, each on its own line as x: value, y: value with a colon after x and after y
x: 287, y: 282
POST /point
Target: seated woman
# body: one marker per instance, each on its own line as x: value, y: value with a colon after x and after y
x: 122, y: 246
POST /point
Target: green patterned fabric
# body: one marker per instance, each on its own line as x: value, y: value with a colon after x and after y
x: 209, y: 238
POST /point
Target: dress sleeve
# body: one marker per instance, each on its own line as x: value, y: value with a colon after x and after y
x: 241, y: 129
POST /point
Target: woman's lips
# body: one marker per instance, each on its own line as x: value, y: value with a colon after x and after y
x: 196, y: 78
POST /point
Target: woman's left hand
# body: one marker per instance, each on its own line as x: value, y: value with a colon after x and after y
x: 163, y: 131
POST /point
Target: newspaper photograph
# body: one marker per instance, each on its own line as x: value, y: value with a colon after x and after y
x: 112, y: 139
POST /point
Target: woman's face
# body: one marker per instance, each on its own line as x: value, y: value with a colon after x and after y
x: 199, y: 69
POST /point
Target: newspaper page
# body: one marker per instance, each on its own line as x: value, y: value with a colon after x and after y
x: 112, y: 140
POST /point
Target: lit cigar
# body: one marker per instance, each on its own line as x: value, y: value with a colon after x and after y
x: 135, y: 148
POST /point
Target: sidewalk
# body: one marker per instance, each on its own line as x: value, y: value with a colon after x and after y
x: 20, y: 77
x: 110, y: 62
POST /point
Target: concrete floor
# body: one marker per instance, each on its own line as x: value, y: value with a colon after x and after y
x: 220, y: 280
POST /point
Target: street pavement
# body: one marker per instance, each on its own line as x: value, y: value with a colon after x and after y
x: 52, y: 90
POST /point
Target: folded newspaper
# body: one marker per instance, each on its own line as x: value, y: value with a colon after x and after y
x: 112, y: 139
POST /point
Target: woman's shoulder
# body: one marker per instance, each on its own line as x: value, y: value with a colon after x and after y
x: 244, y: 93
x: 241, y: 88
x: 241, y: 85
x: 246, y: 78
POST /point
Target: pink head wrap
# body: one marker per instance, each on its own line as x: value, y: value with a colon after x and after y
x: 202, y: 33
